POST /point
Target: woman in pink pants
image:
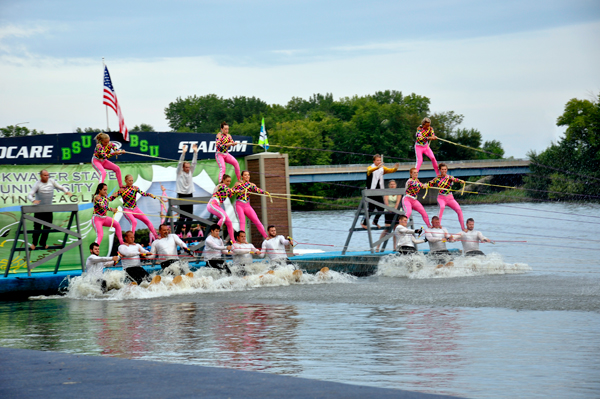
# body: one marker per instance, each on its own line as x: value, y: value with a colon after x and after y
x: 445, y: 197
x: 215, y: 204
x: 100, y: 218
x: 104, y: 150
x: 224, y: 141
x: 242, y: 204
x: 410, y: 201
x: 131, y: 211
x: 425, y: 134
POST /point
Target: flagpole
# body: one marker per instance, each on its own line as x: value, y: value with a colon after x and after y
x: 106, y: 106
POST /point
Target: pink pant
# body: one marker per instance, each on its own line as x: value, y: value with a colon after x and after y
x: 214, y: 208
x: 449, y: 200
x: 408, y: 204
x: 98, y: 222
x: 132, y: 214
x: 425, y: 149
x: 227, y: 158
x: 244, y: 209
x: 102, y: 164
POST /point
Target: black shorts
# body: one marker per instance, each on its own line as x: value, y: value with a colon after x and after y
x: 218, y: 264
x: 137, y: 274
x: 474, y: 253
x: 406, y: 250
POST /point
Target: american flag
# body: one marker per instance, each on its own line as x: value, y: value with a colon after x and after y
x: 110, y: 99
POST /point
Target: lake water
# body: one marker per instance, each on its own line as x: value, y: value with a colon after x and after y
x: 523, y: 323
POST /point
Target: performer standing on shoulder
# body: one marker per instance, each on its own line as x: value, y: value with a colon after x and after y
x: 104, y: 150
x: 425, y: 134
x: 375, y: 174
x: 42, y: 193
x: 220, y: 194
x: 242, y: 204
x: 410, y: 200
x: 185, y: 184
x: 100, y: 217
x: 224, y: 141
x: 444, y: 182
x: 130, y: 209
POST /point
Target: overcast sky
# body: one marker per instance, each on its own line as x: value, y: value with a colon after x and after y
x: 508, y: 66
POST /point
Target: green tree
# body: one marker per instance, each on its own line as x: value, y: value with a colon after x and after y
x: 88, y: 130
x: 143, y: 127
x: 18, y: 131
x: 493, y: 146
x: 572, y: 165
x: 308, y: 135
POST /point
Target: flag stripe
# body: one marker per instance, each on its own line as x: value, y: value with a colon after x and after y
x: 110, y: 100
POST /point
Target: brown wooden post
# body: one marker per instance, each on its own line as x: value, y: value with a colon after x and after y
x: 269, y: 171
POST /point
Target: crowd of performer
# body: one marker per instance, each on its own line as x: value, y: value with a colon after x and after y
x: 165, y: 245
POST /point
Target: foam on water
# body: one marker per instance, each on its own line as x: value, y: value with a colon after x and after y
x: 419, y: 266
x: 205, y: 280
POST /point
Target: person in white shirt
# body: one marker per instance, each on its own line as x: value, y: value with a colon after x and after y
x: 130, y: 258
x: 375, y: 174
x: 436, y: 237
x: 95, y: 264
x: 470, y: 239
x: 166, y: 247
x: 185, y: 184
x: 404, y: 235
x: 42, y: 193
x: 214, y: 250
x: 274, y: 246
x: 242, y: 250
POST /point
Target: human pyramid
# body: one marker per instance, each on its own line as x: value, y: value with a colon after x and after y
x: 165, y: 244
x: 436, y: 235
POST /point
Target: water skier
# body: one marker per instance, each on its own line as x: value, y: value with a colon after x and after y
x: 100, y: 217
x: 425, y: 134
x: 224, y: 142
x: 404, y: 235
x: 242, y: 250
x: 185, y: 184
x: 437, y: 236
x: 220, y: 194
x: 42, y: 193
x: 470, y: 239
x: 131, y: 211
x: 130, y: 259
x: 274, y: 246
x: 242, y: 203
x: 375, y: 174
x: 410, y: 200
x: 444, y: 182
x: 166, y: 247
x: 214, y: 250
x: 95, y: 264
x: 104, y: 150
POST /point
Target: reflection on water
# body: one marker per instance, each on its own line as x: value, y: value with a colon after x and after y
x: 457, y: 351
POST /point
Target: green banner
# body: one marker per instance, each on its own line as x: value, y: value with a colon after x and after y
x: 16, y: 182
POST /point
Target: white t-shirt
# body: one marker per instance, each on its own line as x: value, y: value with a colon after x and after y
x: 274, y: 248
x: 213, y: 248
x: 435, y: 238
x: 95, y: 264
x: 470, y: 240
x: 241, y: 253
x: 44, y: 192
x: 131, y: 255
x: 166, y: 248
x: 405, y: 238
x: 185, y: 181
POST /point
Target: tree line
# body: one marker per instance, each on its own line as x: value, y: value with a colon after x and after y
x: 384, y: 123
x: 570, y: 168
